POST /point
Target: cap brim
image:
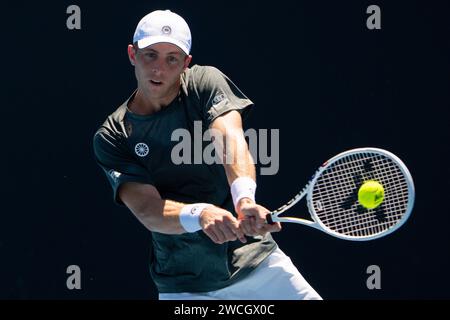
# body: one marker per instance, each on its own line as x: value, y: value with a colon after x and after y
x: 144, y: 43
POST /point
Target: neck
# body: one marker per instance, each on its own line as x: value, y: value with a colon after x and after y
x: 144, y: 103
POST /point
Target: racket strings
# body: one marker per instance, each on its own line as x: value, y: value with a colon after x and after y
x: 334, y: 196
x: 394, y: 183
x: 365, y: 217
x: 368, y: 221
x: 346, y: 222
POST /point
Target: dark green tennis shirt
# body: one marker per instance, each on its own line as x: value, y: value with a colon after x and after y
x: 131, y: 147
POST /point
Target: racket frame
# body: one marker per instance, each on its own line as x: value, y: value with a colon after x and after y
x: 316, y: 222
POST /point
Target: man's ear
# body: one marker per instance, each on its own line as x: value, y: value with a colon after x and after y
x: 132, y: 54
x: 187, y: 61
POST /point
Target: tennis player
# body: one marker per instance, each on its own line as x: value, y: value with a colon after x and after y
x: 209, y: 239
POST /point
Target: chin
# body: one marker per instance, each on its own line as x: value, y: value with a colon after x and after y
x: 152, y: 88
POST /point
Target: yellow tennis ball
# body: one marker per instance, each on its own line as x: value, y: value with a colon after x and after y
x: 371, y: 194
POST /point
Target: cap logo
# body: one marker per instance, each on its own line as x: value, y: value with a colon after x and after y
x: 166, y: 30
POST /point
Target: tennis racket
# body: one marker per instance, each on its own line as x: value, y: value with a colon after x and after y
x: 332, y: 196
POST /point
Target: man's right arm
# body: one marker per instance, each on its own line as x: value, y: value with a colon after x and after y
x: 163, y: 215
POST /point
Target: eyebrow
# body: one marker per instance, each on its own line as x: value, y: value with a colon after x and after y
x: 172, y: 52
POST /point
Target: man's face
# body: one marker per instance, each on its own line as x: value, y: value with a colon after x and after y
x: 158, y: 68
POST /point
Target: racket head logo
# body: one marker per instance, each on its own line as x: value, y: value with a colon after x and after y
x: 318, y: 205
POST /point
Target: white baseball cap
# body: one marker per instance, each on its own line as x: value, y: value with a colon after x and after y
x: 163, y: 26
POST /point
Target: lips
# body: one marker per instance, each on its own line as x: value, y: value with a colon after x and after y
x: 155, y: 83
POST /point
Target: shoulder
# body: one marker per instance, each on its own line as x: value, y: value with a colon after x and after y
x: 201, y: 77
x: 201, y: 71
x: 112, y: 131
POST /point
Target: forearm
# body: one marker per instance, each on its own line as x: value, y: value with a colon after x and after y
x: 155, y: 213
x: 242, y: 167
x: 171, y: 217
x: 160, y: 215
x: 163, y: 216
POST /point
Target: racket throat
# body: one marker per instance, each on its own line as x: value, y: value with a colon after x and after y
x: 269, y: 219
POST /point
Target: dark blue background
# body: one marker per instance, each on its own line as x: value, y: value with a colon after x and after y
x: 313, y: 70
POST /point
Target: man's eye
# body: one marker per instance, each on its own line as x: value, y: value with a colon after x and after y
x: 172, y: 60
x: 150, y: 55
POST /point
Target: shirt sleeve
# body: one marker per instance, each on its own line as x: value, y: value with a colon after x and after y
x: 117, y: 163
x: 218, y: 95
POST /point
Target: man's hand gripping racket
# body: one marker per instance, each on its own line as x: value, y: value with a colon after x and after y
x: 335, y: 200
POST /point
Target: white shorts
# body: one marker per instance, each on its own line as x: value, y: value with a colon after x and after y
x: 276, y: 278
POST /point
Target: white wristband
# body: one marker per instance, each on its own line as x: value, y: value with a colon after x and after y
x: 243, y: 187
x: 190, y: 216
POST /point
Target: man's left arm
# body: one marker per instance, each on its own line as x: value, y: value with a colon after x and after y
x: 231, y: 146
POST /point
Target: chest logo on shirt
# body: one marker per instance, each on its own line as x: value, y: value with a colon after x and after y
x: 141, y: 149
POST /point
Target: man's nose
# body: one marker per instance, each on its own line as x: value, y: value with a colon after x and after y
x: 158, y: 67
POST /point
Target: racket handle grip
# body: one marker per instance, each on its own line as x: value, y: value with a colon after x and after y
x: 269, y: 219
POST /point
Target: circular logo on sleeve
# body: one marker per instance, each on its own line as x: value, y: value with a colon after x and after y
x: 141, y: 149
